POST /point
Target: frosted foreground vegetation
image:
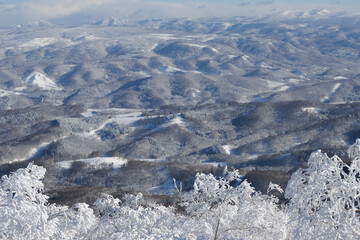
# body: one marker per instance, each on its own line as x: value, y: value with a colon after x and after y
x: 323, y: 203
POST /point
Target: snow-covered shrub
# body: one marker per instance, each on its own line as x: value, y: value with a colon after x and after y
x: 325, y: 198
x: 234, y: 212
x: 130, y: 220
x: 23, y: 210
x: 324, y: 203
x: 26, y: 214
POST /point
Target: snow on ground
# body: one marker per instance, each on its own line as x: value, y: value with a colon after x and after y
x: 144, y: 73
x: 273, y: 84
x: 96, y: 162
x: 227, y: 25
x: 252, y: 156
x: 126, y: 118
x: 294, y: 80
x: 202, y: 46
x: 33, y: 152
x: 4, y: 93
x: 178, y: 120
x: 246, y: 59
x: 168, y: 69
x: 303, y: 25
x: 153, y: 47
x: 165, y: 188
x: 196, y: 92
x: 323, y: 12
x: 210, y: 38
x: 88, y: 37
x: 151, y: 159
x: 119, y: 116
x: 283, y: 88
x: 19, y: 89
x: 263, y: 65
x: 340, y: 78
x: 311, y: 110
x: 114, y: 111
x: 289, y: 13
x: 41, y: 81
x: 198, y: 37
x: 163, y: 36
x: 38, y: 42
x: 333, y: 91
x: 298, y: 140
x: 228, y: 149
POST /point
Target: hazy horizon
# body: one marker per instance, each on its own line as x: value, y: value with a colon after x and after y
x: 14, y: 12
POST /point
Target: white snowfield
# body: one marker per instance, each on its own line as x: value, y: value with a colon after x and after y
x: 120, y: 116
x: 196, y: 92
x: 88, y: 37
x: 163, y: 36
x: 38, y: 42
x: 177, y: 120
x: 202, y: 46
x: 4, y: 93
x: 42, y: 81
x: 245, y: 58
x: 340, y: 78
x: 151, y: 159
x: 273, y: 84
x: 171, y: 69
x: 32, y: 152
x: 333, y: 91
x: 228, y: 149
x: 36, y: 150
x: 96, y: 162
x: 168, y: 69
x: 311, y: 110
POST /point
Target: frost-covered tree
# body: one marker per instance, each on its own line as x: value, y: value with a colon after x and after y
x: 325, y: 198
x: 215, y: 210
x: 26, y: 214
x: 23, y: 210
x: 234, y: 212
x: 131, y: 220
x: 324, y: 203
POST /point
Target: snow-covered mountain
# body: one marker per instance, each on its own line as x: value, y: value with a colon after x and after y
x: 171, y: 96
x: 35, y: 25
x: 40, y: 80
x: 159, y: 62
x: 111, y: 21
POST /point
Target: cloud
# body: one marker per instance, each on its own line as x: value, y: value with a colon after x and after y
x: 51, y: 9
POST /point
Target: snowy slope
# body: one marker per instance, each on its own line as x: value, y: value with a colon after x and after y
x: 38, y: 42
x: 41, y: 81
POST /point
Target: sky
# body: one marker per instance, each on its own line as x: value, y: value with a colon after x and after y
x: 14, y: 12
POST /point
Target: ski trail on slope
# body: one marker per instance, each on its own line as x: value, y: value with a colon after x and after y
x: 333, y: 91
